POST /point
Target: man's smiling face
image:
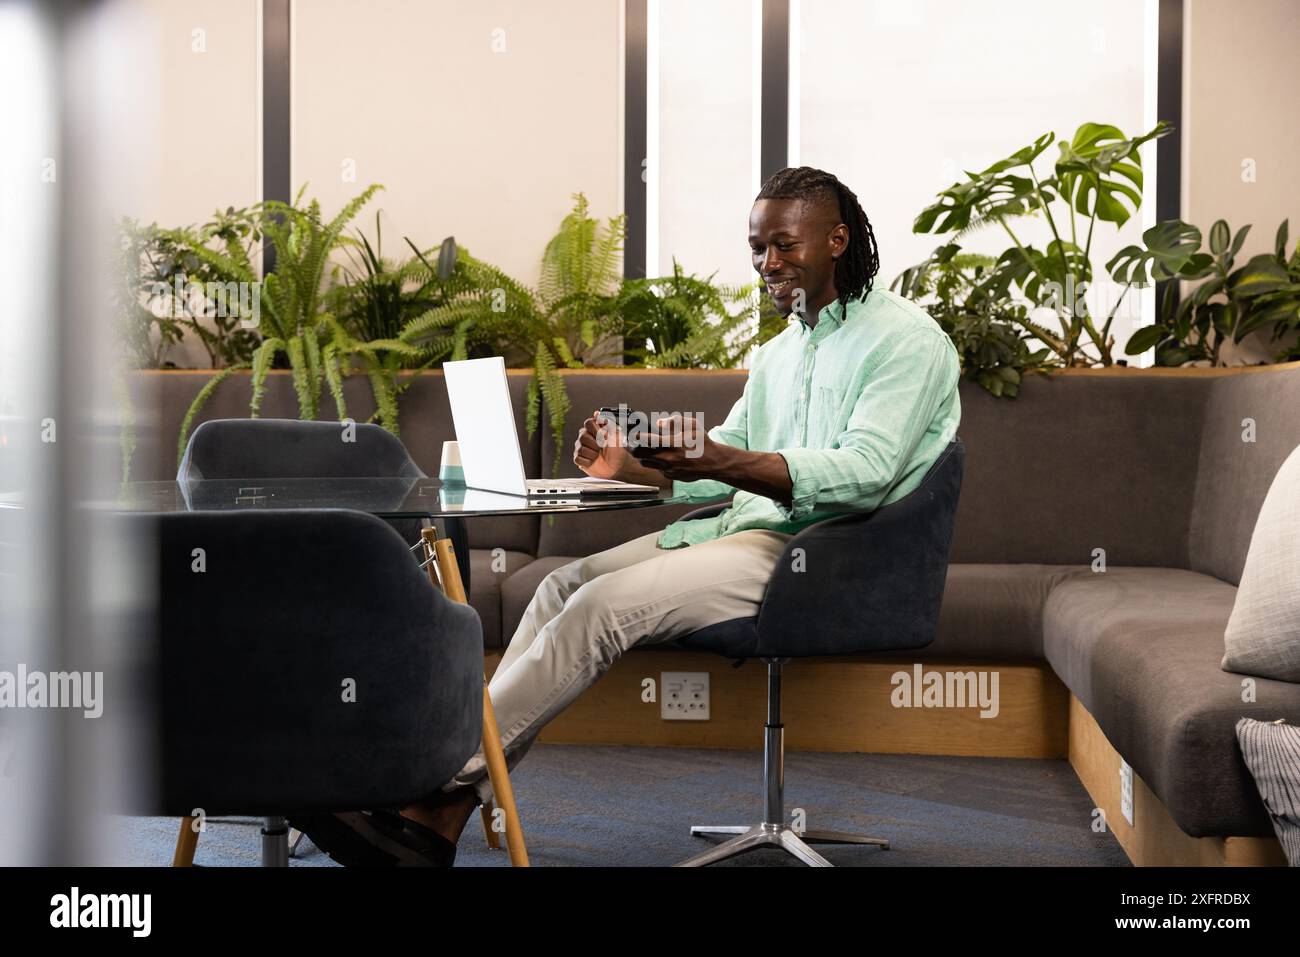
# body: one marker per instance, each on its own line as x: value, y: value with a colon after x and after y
x: 794, y: 244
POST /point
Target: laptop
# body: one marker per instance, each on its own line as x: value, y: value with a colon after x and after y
x: 489, y: 446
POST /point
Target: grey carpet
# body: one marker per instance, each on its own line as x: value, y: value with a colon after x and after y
x: 621, y: 807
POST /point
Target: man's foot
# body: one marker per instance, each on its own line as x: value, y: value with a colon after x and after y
x: 445, y: 813
x: 375, y: 839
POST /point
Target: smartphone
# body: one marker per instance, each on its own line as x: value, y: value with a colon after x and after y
x: 620, y: 417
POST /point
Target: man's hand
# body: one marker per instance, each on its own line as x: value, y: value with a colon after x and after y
x: 600, y: 449
x: 681, y: 449
x: 677, y: 448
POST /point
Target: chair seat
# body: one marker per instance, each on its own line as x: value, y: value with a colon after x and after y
x: 737, y: 638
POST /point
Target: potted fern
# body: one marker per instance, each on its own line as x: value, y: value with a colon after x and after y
x: 684, y: 322
x: 295, y: 324
x: 567, y: 321
x: 374, y: 298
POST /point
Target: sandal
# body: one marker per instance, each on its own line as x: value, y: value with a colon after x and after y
x: 375, y: 839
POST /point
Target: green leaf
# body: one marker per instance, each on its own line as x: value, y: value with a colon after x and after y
x: 1219, y: 237
x: 986, y: 196
x: 1207, y: 289
x: 262, y: 360
x: 1262, y: 274
x: 1238, y: 240
x: 1100, y: 171
x: 1169, y: 248
x: 1145, y: 338
x: 199, y: 402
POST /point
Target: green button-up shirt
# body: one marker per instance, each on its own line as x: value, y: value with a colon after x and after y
x: 859, y: 407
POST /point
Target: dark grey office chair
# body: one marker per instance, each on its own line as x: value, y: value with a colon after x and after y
x: 309, y: 666
x: 294, y: 448
x: 874, y: 582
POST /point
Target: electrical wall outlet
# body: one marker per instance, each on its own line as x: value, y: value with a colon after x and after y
x: 684, y: 695
x: 1126, y: 791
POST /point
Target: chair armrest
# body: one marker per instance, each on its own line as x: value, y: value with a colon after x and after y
x: 867, y: 582
x: 708, y: 511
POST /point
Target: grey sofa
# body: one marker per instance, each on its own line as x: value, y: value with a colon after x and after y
x: 1150, y: 467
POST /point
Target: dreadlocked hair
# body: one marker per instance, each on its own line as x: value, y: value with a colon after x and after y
x: 857, y: 267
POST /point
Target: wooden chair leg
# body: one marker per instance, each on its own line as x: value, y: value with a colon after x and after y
x: 448, y: 578
x: 493, y: 841
x: 186, y: 842
x: 504, y: 791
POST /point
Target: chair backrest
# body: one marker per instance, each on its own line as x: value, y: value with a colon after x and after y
x: 290, y: 448
x: 875, y: 580
x: 303, y: 660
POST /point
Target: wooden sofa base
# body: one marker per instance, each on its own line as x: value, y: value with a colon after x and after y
x: 829, y: 704
x: 1153, y: 839
x: 844, y: 704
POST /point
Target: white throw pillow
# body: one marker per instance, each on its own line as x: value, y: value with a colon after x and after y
x: 1263, y: 634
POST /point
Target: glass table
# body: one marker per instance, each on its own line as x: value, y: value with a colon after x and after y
x: 387, y: 498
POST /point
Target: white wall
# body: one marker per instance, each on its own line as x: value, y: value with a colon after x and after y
x: 194, y: 128
x: 488, y: 146
x: 191, y: 124
x: 1240, y: 83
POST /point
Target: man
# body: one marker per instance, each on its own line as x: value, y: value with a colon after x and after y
x: 846, y: 409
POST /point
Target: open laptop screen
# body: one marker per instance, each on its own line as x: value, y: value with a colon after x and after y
x: 485, y: 424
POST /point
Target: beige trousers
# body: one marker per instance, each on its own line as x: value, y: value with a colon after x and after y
x: 587, y: 613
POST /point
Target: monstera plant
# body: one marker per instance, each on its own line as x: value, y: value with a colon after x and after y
x: 1231, y: 301
x: 1097, y: 177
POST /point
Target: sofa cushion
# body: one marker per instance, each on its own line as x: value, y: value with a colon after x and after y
x: 1233, y: 475
x: 487, y: 573
x: 1079, y: 461
x: 516, y: 533
x: 1263, y: 634
x: 517, y: 591
x: 995, y: 611
x: 1140, y: 649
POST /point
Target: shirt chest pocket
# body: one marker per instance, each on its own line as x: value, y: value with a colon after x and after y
x: 824, y: 423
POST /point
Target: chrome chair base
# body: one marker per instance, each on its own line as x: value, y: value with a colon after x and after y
x: 275, y: 842
x: 773, y: 832
x: 774, y: 835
